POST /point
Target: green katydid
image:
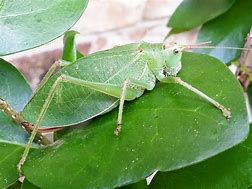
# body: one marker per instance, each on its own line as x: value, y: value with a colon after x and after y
x: 105, y: 80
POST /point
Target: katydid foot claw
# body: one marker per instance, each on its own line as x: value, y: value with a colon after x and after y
x: 226, y: 113
x: 118, y: 129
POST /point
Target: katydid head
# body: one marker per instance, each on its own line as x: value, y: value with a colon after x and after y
x: 172, y: 59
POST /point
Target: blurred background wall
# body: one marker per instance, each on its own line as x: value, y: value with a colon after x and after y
x: 105, y: 24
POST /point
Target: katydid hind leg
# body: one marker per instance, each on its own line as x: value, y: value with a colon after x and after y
x: 225, y: 111
x: 37, y: 124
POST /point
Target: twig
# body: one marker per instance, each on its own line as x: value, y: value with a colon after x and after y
x: 244, y: 69
x: 16, y: 117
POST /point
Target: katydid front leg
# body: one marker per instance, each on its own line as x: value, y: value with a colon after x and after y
x: 57, y: 64
x: 225, y: 111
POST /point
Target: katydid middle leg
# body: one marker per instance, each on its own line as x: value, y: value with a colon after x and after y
x: 141, y: 86
x: 131, y: 89
x: 172, y: 79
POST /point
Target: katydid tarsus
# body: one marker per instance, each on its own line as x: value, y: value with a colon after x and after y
x: 103, y: 80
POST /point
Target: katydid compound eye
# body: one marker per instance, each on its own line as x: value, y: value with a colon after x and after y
x: 175, y: 51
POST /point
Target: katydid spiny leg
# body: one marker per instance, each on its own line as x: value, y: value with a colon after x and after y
x: 57, y: 64
x: 120, y: 112
x: 225, y: 111
x: 121, y: 92
x: 36, y: 125
x: 47, y: 76
x: 140, y: 86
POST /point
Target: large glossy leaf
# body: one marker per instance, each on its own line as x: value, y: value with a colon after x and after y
x: 15, y: 90
x: 27, y: 24
x: 10, y: 156
x: 165, y: 129
x: 232, y: 169
x: 193, y: 13
x: 229, y: 29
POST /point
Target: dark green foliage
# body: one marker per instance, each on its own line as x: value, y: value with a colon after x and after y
x: 227, y: 25
x: 27, y: 24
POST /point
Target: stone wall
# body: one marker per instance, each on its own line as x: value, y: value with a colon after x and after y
x: 104, y: 24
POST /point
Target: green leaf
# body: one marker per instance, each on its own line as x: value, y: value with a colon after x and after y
x: 10, y: 156
x: 13, y: 87
x: 27, y: 24
x: 232, y: 169
x: 15, y: 90
x: 229, y: 29
x: 193, y: 13
x: 69, y: 51
x: 80, y: 55
x: 165, y: 129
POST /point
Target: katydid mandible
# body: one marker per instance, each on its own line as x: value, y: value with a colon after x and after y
x: 105, y: 80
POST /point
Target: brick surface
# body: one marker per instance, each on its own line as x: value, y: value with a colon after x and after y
x: 104, y: 15
x: 155, y: 9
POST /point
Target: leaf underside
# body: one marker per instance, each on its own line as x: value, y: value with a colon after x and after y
x: 14, y: 90
x: 225, y: 23
x: 27, y: 24
x: 197, y: 13
x: 229, y: 29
